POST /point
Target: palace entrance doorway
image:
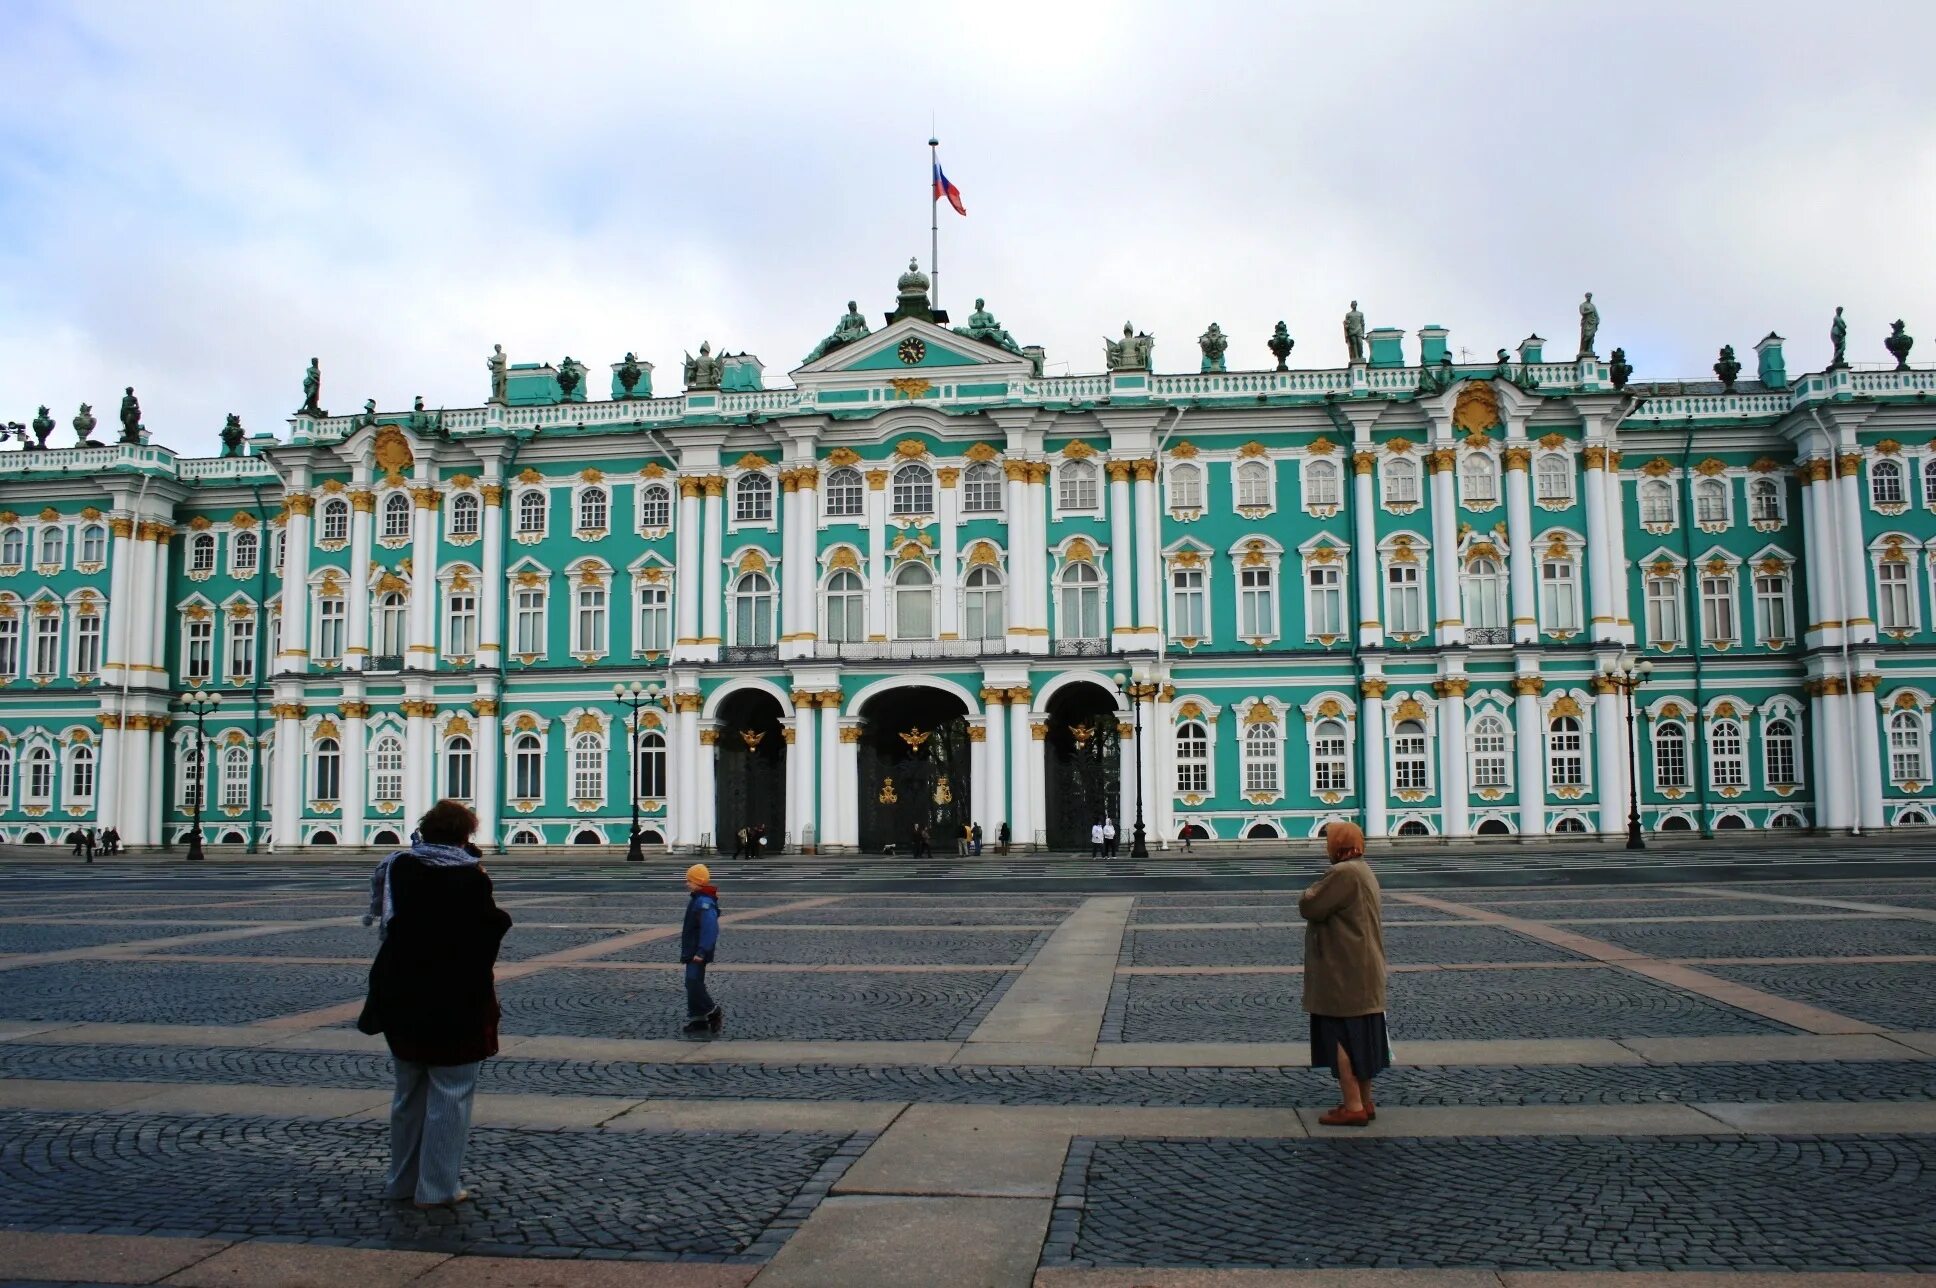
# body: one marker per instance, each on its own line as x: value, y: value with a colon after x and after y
x: 914, y: 764
x: 750, y: 780
x: 1084, y: 764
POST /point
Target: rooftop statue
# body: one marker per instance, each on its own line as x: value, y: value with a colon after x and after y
x: 1898, y: 344
x: 1728, y: 369
x: 84, y: 423
x: 500, y: 374
x: 982, y: 326
x: 232, y: 435
x: 851, y: 327
x: 1354, y: 334
x: 1280, y: 345
x: 1619, y: 369
x: 1589, y: 325
x: 1213, y: 343
x: 569, y: 374
x: 629, y: 372
x: 704, y: 371
x: 1505, y: 371
x: 44, y: 425
x: 130, y: 417
x: 1838, y: 335
x: 312, y: 391
x: 1132, y: 353
x: 368, y: 419
x: 421, y: 421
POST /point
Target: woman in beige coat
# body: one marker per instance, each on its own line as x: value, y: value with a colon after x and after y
x: 1344, y: 975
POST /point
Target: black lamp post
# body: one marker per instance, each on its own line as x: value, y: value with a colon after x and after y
x: 635, y: 699
x: 1628, y: 676
x: 1136, y: 692
x: 199, y: 705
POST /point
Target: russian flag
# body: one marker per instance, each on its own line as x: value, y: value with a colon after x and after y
x: 943, y: 188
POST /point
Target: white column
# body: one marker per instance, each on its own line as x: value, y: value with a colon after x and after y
x: 712, y: 567
x: 686, y: 577
x: 1839, y: 810
x: 159, y: 623
x: 1448, y: 616
x: 1036, y: 552
x: 286, y: 804
x: 421, y: 652
x: 1126, y: 778
x: 1455, y: 816
x: 1148, y: 762
x: 488, y: 761
x: 806, y: 571
x: 122, y: 553
x: 993, y: 773
x: 1529, y: 741
x: 684, y: 768
x: 107, y: 775
x: 295, y: 586
x: 1616, y: 521
x: 1818, y: 751
x: 1372, y: 742
x: 153, y: 821
x: 356, y: 766
x: 801, y: 812
x: 789, y: 564
x: 1021, y: 821
x: 705, y: 786
x: 848, y: 789
x: 132, y: 821
x: 948, y: 577
x: 1604, y: 621
x: 1519, y: 535
x: 1868, y: 751
x: 141, y: 607
x: 877, y: 554
x: 978, y: 802
x: 356, y: 620
x: 1037, y: 784
x: 1160, y: 746
x: 1818, y: 556
x: 1364, y: 536
x: 491, y: 595
x: 1125, y: 612
x: 1610, y: 749
x: 829, y: 770
x: 1148, y: 570
x: 1855, y: 557
x: 419, y: 759
x: 1024, y: 560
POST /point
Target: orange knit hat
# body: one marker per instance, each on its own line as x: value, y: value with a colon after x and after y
x: 701, y: 873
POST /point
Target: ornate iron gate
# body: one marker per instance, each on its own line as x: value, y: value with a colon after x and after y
x: 912, y: 775
x: 1085, y: 778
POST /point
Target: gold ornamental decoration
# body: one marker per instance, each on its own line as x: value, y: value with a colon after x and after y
x: 1184, y: 450
x: 887, y: 794
x: 1077, y: 450
x: 843, y: 456
x: 1258, y: 714
x: 391, y: 452
x: 752, y: 738
x: 1322, y: 446
x: 1079, y: 550
x: 1711, y: 466
x: 1252, y: 449
x: 981, y: 452
x: 910, y: 386
x: 751, y: 461
x: 915, y: 738
x: 911, y: 449
x: 1477, y: 408
x: 1553, y: 441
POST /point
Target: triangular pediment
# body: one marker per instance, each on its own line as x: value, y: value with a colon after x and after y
x: 911, y: 347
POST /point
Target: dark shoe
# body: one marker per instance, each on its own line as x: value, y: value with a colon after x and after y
x: 1371, y: 1111
x: 1342, y: 1117
x: 717, y: 1019
x: 697, y: 1026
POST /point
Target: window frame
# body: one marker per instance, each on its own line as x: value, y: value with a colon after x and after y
x: 1572, y: 757
x: 753, y: 499
x: 1078, y: 487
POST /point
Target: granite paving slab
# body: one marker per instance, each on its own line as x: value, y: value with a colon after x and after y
x: 1284, y: 946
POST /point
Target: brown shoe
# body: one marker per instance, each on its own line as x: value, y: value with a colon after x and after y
x: 1342, y: 1117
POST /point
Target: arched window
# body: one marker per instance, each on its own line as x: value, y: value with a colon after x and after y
x: 587, y: 768
x: 1081, y: 616
x: 1413, y: 827
x: 1908, y: 752
x: 981, y: 488
x: 1478, y: 481
x: 655, y: 506
x: 1559, y: 595
x: 753, y: 499
x: 753, y: 610
x: 1553, y: 478
x: 1193, y: 757
x: 1186, y: 487
x: 80, y: 776
x: 1663, y: 608
x: 652, y: 765
x: 1261, y: 774
x: 983, y: 614
x: 466, y: 515
x: 846, y: 493
x: 1565, y: 753
x: 1330, y: 767
x: 1491, y: 746
x: 235, y: 778
x: 655, y: 618
x: 188, y: 760
x: 1254, y: 485
x: 1885, y: 483
x: 1408, y: 756
x: 6, y: 777
x: 386, y: 777
x: 1895, y: 595
x: 53, y: 546
x: 1778, y: 753
x: 527, y: 767
x: 1077, y: 486
x: 457, y: 768
x: 591, y: 632
x: 912, y: 491
x: 10, y: 638
x: 396, y: 515
x: 846, y: 614
x: 40, y: 776
x: 1727, y: 758
x: 329, y: 770
x: 331, y: 617
x: 244, y: 551
x: 201, y: 552
x: 1401, y: 480
x: 1320, y: 483
x: 13, y: 547
x: 594, y: 510
x: 1670, y: 755
x: 1764, y: 501
x: 94, y: 544
x: 913, y: 602
x: 1657, y: 503
x: 335, y: 521
x: 392, y: 612
x: 1256, y: 603
x: 1569, y: 826
x: 1485, y: 598
x: 531, y: 512
x: 1711, y: 502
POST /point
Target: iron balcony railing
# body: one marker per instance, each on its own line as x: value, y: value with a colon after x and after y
x: 750, y: 653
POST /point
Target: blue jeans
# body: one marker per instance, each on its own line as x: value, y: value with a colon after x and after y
x: 699, y: 1003
x: 430, y: 1122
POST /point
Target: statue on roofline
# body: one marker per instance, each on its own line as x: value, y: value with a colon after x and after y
x: 1280, y: 345
x: 1354, y: 334
x: 1589, y: 325
x: 232, y: 435
x: 1214, y: 344
x: 500, y: 374
x: 368, y: 419
x: 704, y: 371
x: 84, y: 423
x: 982, y: 326
x: 1898, y: 342
x: 43, y: 426
x: 1132, y: 352
x: 851, y: 327
x: 1838, y: 336
x: 1728, y: 369
x: 131, y: 426
x: 629, y: 373
x: 312, y: 391
x: 1619, y: 369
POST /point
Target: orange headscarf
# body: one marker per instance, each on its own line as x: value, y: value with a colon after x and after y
x: 1344, y: 841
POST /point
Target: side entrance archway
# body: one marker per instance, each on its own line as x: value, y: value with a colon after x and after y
x: 1084, y: 764
x: 914, y: 769
x: 750, y: 778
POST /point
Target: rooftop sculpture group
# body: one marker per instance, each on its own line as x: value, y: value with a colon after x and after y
x: 1132, y: 352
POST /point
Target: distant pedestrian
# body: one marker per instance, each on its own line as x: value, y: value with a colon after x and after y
x: 1344, y: 975
x: 974, y: 840
x: 1189, y: 834
x: 1095, y: 839
x: 75, y: 839
x: 743, y: 842
x: 698, y: 938
x: 111, y: 842
x: 87, y: 843
x: 759, y: 842
x: 1109, y: 838
x: 1001, y: 840
x: 923, y: 841
x: 432, y: 998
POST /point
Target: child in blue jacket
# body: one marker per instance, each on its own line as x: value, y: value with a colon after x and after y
x: 697, y: 939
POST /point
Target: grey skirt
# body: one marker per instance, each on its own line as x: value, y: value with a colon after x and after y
x: 1363, y: 1038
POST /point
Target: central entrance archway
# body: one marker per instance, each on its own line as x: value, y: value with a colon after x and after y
x: 1084, y: 764
x: 750, y: 782
x: 914, y: 768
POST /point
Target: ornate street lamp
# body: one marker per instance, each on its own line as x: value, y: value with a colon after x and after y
x: 1136, y: 692
x: 635, y: 699
x: 1626, y: 675
x: 200, y: 705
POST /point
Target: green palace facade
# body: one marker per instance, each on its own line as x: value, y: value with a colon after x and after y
x: 923, y: 582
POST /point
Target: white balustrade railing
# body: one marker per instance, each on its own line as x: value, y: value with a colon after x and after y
x: 763, y: 400
x: 72, y: 460
x: 226, y: 467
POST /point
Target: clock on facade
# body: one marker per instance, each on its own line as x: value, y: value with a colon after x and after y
x: 912, y: 350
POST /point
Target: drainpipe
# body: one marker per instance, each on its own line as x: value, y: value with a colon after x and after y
x: 1693, y: 621
x: 1848, y: 669
x: 1347, y: 491
x: 263, y: 555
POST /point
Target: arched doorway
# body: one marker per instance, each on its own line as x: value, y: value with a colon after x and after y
x: 750, y: 780
x: 914, y: 768
x: 1084, y: 764
x: 1494, y: 827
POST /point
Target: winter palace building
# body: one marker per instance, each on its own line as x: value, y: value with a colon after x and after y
x: 923, y: 582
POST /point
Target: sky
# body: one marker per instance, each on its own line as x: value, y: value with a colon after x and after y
x: 196, y: 198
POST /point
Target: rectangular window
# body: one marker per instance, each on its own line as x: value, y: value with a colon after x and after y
x: 198, y: 649
x: 1895, y: 607
x: 1408, y: 757
x: 1192, y: 759
x: 1325, y: 594
x: 528, y: 623
x: 1189, y: 619
x: 1260, y: 760
x: 1730, y: 764
x: 47, y: 646
x: 1329, y: 768
x: 10, y: 645
x: 1256, y: 604
x: 588, y: 635
x: 655, y: 620
x: 1566, y: 757
x: 329, y: 629
x: 1404, y: 600
x: 241, y: 648
x: 1559, y: 596
x: 1670, y: 757
x: 1663, y: 611
x: 87, y: 644
x: 1771, y: 608
x: 460, y: 635
x: 1717, y: 610
x: 1489, y: 754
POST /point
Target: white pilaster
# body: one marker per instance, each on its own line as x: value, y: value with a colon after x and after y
x: 1448, y: 616
x: 487, y: 764
x: 356, y: 620
x: 1824, y: 602
x: 1372, y: 738
x: 1839, y: 804
x: 948, y: 576
x: 286, y: 803
x: 1036, y: 554
x: 706, y: 785
x: 1038, y: 776
x: 1529, y: 742
x: 1519, y: 535
x: 1455, y: 818
x: 849, y: 785
x: 421, y: 652
x: 353, y: 712
x: 134, y: 820
x: 420, y: 754
x: 1848, y: 537
x: 123, y: 552
x: 1124, y: 611
x: 802, y: 814
x: 491, y: 595
x: 1599, y: 551
x: 877, y: 621
x: 1610, y: 749
x: 1622, y: 579
x: 713, y: 570
x: 1868, y: 751
x: 832, y: 835
x: 992, y: 775
x: 1024, y: 558
x: 1021, y: 820
x: 1364, y: 536
x: 1148, y: 570
x: 687, y: 578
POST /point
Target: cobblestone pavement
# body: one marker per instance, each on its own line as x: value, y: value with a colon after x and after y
x: 144, y: 992
x: 1792, y: 937
x: 1899, y: 995
x: 1754, y: 1203
x: 808, y: 947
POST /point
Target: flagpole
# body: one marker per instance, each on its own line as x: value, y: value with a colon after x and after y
x: 934, y: 219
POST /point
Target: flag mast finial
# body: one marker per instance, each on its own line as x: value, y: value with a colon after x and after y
x: 934, y: 219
